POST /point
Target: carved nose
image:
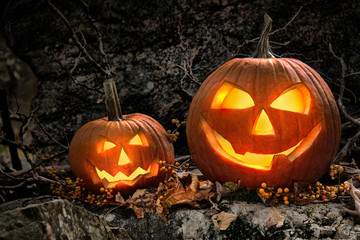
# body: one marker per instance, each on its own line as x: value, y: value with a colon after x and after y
x: 262, y: 125
x: 123, y: 158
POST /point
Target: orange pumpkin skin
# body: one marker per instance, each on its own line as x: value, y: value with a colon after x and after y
x: 299, y: 144
x: 129, y: 149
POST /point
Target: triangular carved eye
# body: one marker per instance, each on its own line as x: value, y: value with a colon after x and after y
x: 139, y: 139
x: 230, y: 96
x: 136, y: 140
x: 108, y: 145
x: 294, y: 99
x: 104, y: 144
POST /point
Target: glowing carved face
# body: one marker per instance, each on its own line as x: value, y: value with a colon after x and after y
x: 122, y: 163
x: 263, y: 120
x: 122, y: 155
x: 230, y: 100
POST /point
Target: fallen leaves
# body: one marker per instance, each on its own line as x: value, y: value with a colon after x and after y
x: 185, y: 191
x: 274, y: 218
x: 224, y: 190
x: 140, y: 202
x: 355, y: 194
x: 223, y: 220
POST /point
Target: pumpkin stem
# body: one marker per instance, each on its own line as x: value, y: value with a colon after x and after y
x: 112, y: 101
x: 263, y: 48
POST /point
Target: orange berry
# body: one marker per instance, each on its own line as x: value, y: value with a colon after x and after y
x: 279, y: 190
x: 286, y: 202
x: 332, y: 194
x: 286, y: 190
x: 263, y: 185
x: 261, y: 190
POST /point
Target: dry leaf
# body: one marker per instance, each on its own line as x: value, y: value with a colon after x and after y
x: 225, y: 189
x: 355, y: 194
x: 119, y: 198
x: 139, y: 192
x: 141, y: 202
x: 162, y: 212
x: 223, y: 220
x: 275, y: 218
x: 233, y: 186
x: 178, y: 194
x: 189, y: 195
x: 221, y: 191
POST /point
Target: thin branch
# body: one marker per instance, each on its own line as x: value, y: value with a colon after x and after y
x: 69, y: 73
x: 246, y: 42
x: 347, y: 148
x: 352, y: 74
x: 107, y: 73
x: 49, y: 136
x: 98, y: 33
x: 342, y: 88
x: 288, y: 23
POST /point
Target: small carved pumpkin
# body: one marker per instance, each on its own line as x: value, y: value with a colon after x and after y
x: 122, y: 154
x: 263, y: 120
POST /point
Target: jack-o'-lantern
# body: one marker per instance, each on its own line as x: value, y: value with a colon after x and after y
x: 120, y: 152
x: 263, y: 119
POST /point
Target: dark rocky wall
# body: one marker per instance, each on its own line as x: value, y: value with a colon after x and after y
x: 147, y: 43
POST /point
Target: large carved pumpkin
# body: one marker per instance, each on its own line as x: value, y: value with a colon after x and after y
x: 263, y: 119
x: 122, y: 153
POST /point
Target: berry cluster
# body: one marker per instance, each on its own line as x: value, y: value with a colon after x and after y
x: 43, y: 158
x: 167, y: 168
x: 75, y: 191
x: 173, y: 135
x: 316, y: 191
x: 335, y: 171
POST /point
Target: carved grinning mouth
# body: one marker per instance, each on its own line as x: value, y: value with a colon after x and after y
x: 256, y: 160
x: 121, y: 176
x: 109, y: 180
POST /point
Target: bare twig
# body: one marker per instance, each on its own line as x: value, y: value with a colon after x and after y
x: 106, y: 72
x: 246, y: 42
x: 49, y: 135
x: 342, y: 88
x: 182, y: 158
x: 98, y: 33
x: 69, y: 73
x: 347, y: 148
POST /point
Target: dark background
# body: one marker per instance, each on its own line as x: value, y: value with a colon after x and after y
x: 157, y: 50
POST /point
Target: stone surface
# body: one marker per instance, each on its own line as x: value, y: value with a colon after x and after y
x: 55, y: 219
x: 60, y: 219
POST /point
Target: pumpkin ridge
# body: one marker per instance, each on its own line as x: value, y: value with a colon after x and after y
x: 296, y: 66
x: 334, y: 109
x: 320, y: 86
